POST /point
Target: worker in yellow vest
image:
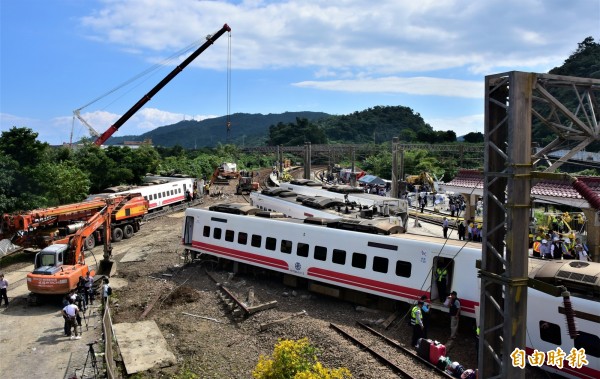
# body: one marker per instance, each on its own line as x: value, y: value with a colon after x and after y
x: 537, y: 244
x: 416, y: 320
x: 441, y: 274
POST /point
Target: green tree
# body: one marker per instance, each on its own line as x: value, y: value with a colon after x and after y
x: 296, y: 134
x: 24, y: 152
x: 8, y: 171
x: 473, y: 137
x: 379, y: 164
x: 145, y: 160
x: 21, y: 145
x: 62, y: 183
x: 100, y: 168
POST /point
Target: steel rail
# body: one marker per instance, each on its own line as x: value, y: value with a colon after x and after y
x: 381, y: 358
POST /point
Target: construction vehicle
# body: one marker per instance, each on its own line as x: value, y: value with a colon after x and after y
x: 223, y: 173
x: 246, y: 185
x: 210, y: 39
x: 42, y: 227
x: 423, y: 180
x: 228, y: 170
x: 57, y: 268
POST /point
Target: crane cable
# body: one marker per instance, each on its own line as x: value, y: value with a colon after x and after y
x: 228, y: 88
x: 150, y: 69
x: 147, y: 72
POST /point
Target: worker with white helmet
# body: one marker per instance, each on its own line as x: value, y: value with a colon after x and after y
x: 545, y: 249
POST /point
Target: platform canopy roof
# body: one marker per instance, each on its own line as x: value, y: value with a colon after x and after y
x: 546, y: 191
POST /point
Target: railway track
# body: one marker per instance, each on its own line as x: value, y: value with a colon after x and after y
x: 390, y: 353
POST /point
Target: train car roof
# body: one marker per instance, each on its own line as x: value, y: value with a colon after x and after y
x: 573, y: 274
x: 384, y: 224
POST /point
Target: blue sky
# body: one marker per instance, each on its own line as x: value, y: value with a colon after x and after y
x: 299, y: 55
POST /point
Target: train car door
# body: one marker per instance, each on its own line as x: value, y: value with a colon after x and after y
x: 188, y: 230
x: 441, y: 280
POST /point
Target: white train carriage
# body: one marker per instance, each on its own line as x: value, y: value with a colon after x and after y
x: 400, y: 267
x: 353, y: 194
x: 383, y: 265
x: 162, y: 192
x: 329, y: 205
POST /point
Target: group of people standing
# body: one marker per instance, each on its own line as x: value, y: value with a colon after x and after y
x: 467, y: 230
x: 556, y: 247
x: 76, y: 303
x: 419, y: 313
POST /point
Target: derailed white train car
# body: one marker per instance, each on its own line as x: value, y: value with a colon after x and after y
x: 160, y: 192
x: 349, y: 255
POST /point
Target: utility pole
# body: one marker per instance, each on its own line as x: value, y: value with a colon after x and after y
x: 281, y: 160
x: 352, y: 174
x: 394, y: 167
x: 307, y: 158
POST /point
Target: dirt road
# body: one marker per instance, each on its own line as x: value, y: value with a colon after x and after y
x: 32, y: 340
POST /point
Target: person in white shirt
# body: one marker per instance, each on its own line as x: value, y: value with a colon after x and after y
x: 105, y: 291
x: 581, y: 253
x: 445, y: 227
x: 70, y: 312
x: 3, y: 289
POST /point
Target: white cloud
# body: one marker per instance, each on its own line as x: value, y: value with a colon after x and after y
x: 460, y: 125
x: 383, y: 38
x: 412, y: 86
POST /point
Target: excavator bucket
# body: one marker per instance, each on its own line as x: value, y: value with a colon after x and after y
x: 106, y: 268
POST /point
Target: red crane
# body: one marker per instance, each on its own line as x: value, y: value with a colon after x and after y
x: 209, y: 41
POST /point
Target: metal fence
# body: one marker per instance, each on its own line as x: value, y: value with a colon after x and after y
x: 109, y: 342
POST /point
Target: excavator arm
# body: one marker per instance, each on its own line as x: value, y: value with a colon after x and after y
x: 111, y: 130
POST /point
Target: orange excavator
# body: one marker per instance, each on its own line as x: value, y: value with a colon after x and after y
x: 58, y: 267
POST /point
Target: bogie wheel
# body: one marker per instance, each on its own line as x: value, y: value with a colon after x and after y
x: 117, y: 234
x: 90, y: 242
x: 127, y: 231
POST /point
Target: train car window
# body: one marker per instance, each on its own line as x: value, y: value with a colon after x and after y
x: 589, y: 342
x: 302, y: 249
x: 206, y: 231
x: 550, y: 332
x: 165, y: 194
x: 339, y: 257
x: 154, y: 196
x: 242, y: 238
x: 286, y: 246
x: 359, y: 260
x: 403, y: 268
x: 160, y: 195
x: 270, y: 243
x: 256, y: 240
x: 217, y: 233
x: 320, y: 253
x: 229, y: 235
x: 380, y: 264
x: 146, y: 198
x: 172, y: 193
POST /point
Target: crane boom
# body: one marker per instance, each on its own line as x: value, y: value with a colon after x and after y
x: 112, y: 129
x: 93, y: 131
